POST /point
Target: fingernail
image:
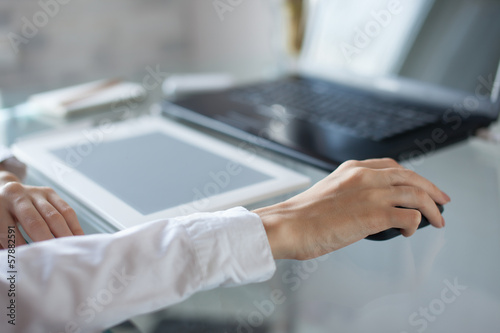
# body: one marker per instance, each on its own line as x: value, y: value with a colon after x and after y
x: 443, y: 222
x: 448, y: 199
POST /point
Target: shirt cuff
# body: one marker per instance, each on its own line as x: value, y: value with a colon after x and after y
x: 231, y: 247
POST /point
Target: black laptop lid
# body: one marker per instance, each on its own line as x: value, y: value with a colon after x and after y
x: 441, y: 51
x: 439, y: 57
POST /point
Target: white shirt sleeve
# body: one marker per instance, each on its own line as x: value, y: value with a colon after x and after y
x: 89, y: 283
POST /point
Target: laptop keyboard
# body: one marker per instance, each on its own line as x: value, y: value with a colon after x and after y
x: 325, y: 104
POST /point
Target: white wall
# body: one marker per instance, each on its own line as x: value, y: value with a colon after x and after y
x: 93, y: 39
x: 242, y: 39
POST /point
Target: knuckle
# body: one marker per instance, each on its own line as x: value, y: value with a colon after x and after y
x: 358, y: 174
x: 67, y: 210
x: 351, y: 163
x: 12, y: 189
x: 47, y: 190
x: 53, y: 215
x: 390, y: 161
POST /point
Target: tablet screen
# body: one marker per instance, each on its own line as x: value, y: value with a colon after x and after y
x: 153, y: 172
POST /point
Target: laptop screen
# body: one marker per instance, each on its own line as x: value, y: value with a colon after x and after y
x: 453, y: 44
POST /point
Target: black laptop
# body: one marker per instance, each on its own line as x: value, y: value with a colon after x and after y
x: 443, y: 87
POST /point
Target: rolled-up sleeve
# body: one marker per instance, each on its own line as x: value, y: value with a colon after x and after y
x: 88, y: 283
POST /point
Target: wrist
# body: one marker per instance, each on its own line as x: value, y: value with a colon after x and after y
x: 274, y: 218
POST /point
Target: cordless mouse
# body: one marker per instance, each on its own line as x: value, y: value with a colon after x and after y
x: 393, y: 232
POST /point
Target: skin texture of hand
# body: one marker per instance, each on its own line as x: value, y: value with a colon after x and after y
x: 39, y: 210
x: 358, y: 199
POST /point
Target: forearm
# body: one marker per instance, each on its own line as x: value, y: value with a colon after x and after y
x: 96, y: 281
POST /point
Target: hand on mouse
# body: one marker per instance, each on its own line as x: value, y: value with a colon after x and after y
x: 356, y: 200
x: 39, y: 210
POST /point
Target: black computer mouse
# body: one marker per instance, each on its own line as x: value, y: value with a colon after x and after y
x: 393, y: 232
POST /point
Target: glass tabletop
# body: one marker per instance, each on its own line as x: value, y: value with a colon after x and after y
x: 442, y: 280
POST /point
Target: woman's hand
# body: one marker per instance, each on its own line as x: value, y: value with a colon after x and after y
x: 39, y: 210
x: 358, y: 199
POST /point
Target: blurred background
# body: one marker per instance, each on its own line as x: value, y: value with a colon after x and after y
x: 93, y: 39
x: 86, y: 40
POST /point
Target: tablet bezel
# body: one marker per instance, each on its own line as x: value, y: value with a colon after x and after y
x: 36, y: 152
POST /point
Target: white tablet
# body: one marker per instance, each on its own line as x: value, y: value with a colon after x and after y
x: 148, y: 168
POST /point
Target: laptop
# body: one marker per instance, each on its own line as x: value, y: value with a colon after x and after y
x: 375, y: 79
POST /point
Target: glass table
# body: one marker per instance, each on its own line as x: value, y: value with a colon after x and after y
x: 436, y: 281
